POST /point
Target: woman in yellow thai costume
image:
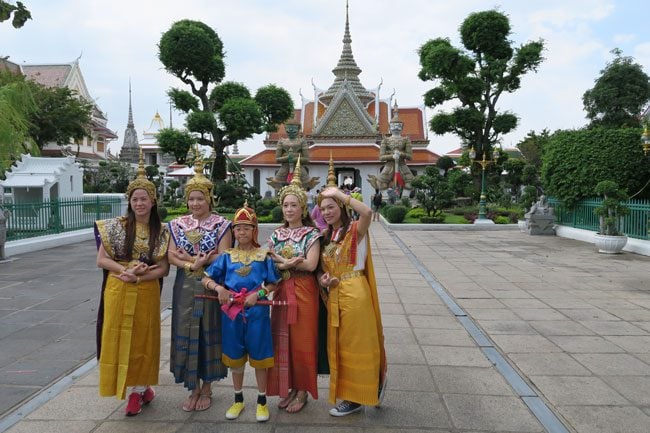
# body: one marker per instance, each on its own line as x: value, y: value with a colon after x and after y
x: 132, y: 250
x: 355, y: 339
x: 195, y: 351
x: 296, y: 248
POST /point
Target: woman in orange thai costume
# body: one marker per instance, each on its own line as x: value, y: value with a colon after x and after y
x: 195, y: 350
x: 296, y: 249
x: 132, y: 250
x: 355, y: 340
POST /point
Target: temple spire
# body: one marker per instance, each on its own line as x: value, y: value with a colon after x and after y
x: 130, y: 147
x: 129, y: 123
x: 346, y: 69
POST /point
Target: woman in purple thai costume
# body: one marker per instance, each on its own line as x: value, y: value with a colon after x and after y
x: 195, y: 354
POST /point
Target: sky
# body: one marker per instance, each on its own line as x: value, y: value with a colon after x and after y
x: 292, y: 43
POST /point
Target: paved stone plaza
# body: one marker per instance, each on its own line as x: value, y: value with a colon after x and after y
x: 486, y: 331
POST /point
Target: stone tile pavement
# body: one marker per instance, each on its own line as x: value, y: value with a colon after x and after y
x: 485, y: 332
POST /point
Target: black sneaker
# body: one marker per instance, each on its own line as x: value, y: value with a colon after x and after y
x: 345, y: 408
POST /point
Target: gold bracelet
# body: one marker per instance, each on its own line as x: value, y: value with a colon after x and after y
x: 187, y: 267
x: 347, y: 200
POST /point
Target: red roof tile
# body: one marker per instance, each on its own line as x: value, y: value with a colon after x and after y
x: 359, y: 154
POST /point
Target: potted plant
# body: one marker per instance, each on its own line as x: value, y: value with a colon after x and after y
x: 611, y: 239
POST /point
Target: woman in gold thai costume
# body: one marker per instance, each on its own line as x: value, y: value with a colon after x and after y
x: 132, y: 251
x: 296, y: 249
x: 195, y: 352
x: 355, y: 339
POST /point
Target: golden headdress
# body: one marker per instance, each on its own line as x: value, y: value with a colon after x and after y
x: 246, y: 215
x: 331, y: 182
x: 141, y: 182
x: 295, y: 188
x: 199, y: 182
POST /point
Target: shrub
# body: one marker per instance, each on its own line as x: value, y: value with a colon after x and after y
x: 406, y: 202
x: 276, y: 214
x: 431, y: 220
x: 575, y: 161
x: 396, y: 214
x: 502, y: 220
x: 416, y: 212
x: 162, y: 211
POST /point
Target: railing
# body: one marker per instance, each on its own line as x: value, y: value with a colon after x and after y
x: 636, y: 223
x: 27, y: 220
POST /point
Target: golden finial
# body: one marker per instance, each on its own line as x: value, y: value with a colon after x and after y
x: 331, y: 177
x: 198, y: 161
x: 295, y: 180
x: 141, y: 170
x: 245, y: 203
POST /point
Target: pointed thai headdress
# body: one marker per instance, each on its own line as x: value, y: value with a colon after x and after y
x: 199, y: 182
x: 141, y: 181
x: 295, y: 188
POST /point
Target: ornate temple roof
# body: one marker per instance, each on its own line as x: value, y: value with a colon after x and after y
x: 347, y: 70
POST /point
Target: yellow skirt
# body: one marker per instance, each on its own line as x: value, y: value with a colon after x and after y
x: 130, y: 352
x: 353, y: 342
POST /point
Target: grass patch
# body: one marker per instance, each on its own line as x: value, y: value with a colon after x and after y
x: 449, y: 219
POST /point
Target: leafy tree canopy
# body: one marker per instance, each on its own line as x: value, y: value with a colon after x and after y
x: 532, y: 147
x: 61, y: 116
x: 16, y: 105
x: 221, y: 112
x: 176, y: 142
x: 476, y: 77
x: 619, y: 95
x: 19, y: 12
x: 575, y: 161
x: 432, y: 191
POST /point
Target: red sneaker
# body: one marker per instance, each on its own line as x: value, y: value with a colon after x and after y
x: 134, y: 406
x: 148, y: 395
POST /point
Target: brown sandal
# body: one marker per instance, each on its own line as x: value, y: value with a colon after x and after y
x: 285, y: 401
x: 204, y: 395
x: 298, y: 403
x: 190, y: 404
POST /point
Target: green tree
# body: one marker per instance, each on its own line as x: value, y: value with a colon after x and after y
x: 432, y: 191
x: 476, y: 77
x: 575, y: 161
x: 221, y: 112
x: 19, y: 12
x: 108, y: 176
x: 445, y: 163
x: 61, y: 116
x: 532, y: 147
x: 16, y: 105
x: 175, y: 142
x: 619, y: 95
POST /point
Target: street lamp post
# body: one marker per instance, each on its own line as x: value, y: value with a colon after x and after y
x: 482, y: 212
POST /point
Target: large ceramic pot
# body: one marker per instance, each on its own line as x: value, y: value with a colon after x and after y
x: 610, y: 244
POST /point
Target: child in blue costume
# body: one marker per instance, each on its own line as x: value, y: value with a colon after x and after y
x: 241, y: 276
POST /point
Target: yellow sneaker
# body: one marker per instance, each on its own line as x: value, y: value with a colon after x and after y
x: 235, y: 410
x: 262, y: 413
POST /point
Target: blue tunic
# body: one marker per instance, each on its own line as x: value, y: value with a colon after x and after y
x: 249, y: 334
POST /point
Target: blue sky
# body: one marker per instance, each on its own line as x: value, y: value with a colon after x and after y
x: 291, y: 42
